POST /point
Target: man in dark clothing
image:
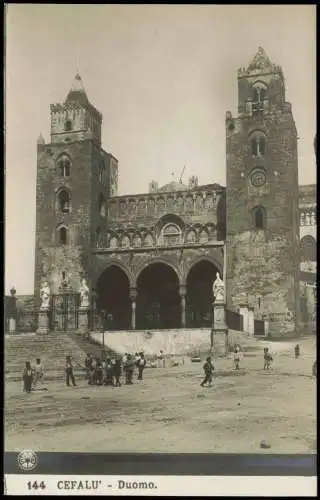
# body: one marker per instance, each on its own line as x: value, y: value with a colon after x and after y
x: 27, y: 377
x: 69, y: 372
x: 208, y: 371
x: 109, y: 372
x: 117, y: 371
x: 141, y: 365
x: 297, y: 351
x: 130, y: 363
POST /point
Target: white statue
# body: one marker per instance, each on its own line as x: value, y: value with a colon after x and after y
x: 84, y: 294
x: 219, y: 289
x: 45, y: 295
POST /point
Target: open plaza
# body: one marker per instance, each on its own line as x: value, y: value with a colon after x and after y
x: 169, y: 412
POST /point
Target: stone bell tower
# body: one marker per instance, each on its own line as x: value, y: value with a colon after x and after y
x: 75, y: 177
x: 263, y: 199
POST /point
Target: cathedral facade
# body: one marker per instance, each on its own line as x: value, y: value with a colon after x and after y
x: 150, y: 259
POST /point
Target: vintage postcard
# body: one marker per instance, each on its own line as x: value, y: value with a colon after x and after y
x: 160, y: 242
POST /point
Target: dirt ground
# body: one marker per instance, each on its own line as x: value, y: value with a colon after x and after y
x: 170, y: 412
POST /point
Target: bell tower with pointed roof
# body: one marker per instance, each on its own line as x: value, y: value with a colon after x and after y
x: 262, y: 198
x: 76, y: 119
x: 75, y: 178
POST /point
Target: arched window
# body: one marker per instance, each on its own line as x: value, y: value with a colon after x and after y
x: 259, y: 218
x: 125, y: 242
x: 64, y: 201
x: 308, y: 247
x: 171, y: 235
x: 258, y: 144
x: 63, y: 235
x: 148, y: 241
x: 64, y: 165
x: 259, y: 98
x: 102, y: 174
x: 102, y: 205
x: 68, y: 125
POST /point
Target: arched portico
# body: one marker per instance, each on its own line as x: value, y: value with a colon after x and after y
x: 158, y: 297
x: 113, y: 288
x: 199, y: 294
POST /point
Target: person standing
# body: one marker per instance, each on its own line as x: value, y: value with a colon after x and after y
x: 109, y: 372
x: 208, y: 372
x: 117, y: 371
x: 129, y: 367
x: 237, y: 357
x: 141, y: 366
x: 87, y: 363
x: 38, y: 373
x: 297, y: 351
x: 27, y: 377
x: 69, y: 372
x: 267, y: 359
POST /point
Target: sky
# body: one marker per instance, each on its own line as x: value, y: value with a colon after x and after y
x: 163, y: 76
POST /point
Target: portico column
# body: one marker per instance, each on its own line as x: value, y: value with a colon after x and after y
x: 133, y: 297
x: 183, y: 293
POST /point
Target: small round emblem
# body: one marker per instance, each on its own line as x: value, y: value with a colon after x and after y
x: 258, y: 178
x: 27, y: 460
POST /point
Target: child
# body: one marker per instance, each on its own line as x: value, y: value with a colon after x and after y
x: 267, y: 359
x: 208, y: 371
x: 27, y: 377
x: 236, y: 357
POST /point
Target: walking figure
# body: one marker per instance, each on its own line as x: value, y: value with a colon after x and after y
x: 27, y: 377
x: 297, y: 351
x: 267, y: 359
x: 208, y: 372
x: 69, y: 372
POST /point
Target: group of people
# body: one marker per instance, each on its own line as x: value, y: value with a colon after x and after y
x: 109, y: 371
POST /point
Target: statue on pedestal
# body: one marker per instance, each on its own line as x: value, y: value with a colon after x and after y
x: 84, y: 294
x: 45, y: 295
x: 218, y: 289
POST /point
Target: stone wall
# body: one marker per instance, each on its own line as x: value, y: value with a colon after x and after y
x: 260, y: 267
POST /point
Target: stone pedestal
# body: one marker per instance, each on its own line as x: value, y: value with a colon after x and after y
x: 251, y: 321
x: 244, y: 313
x: 219, y: 317
x: 43, y: 321
x: 83, y: 320
x: 12, y: 326
x: 219, y: 325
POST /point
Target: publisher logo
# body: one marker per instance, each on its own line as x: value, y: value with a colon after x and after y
x: 27, y: 460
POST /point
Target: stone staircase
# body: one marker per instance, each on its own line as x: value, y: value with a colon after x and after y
x: 52, y: 349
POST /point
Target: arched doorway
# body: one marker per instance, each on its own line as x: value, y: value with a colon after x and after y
x: 200, y: 297
x: 114, y: 299
x: 158, y: 300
